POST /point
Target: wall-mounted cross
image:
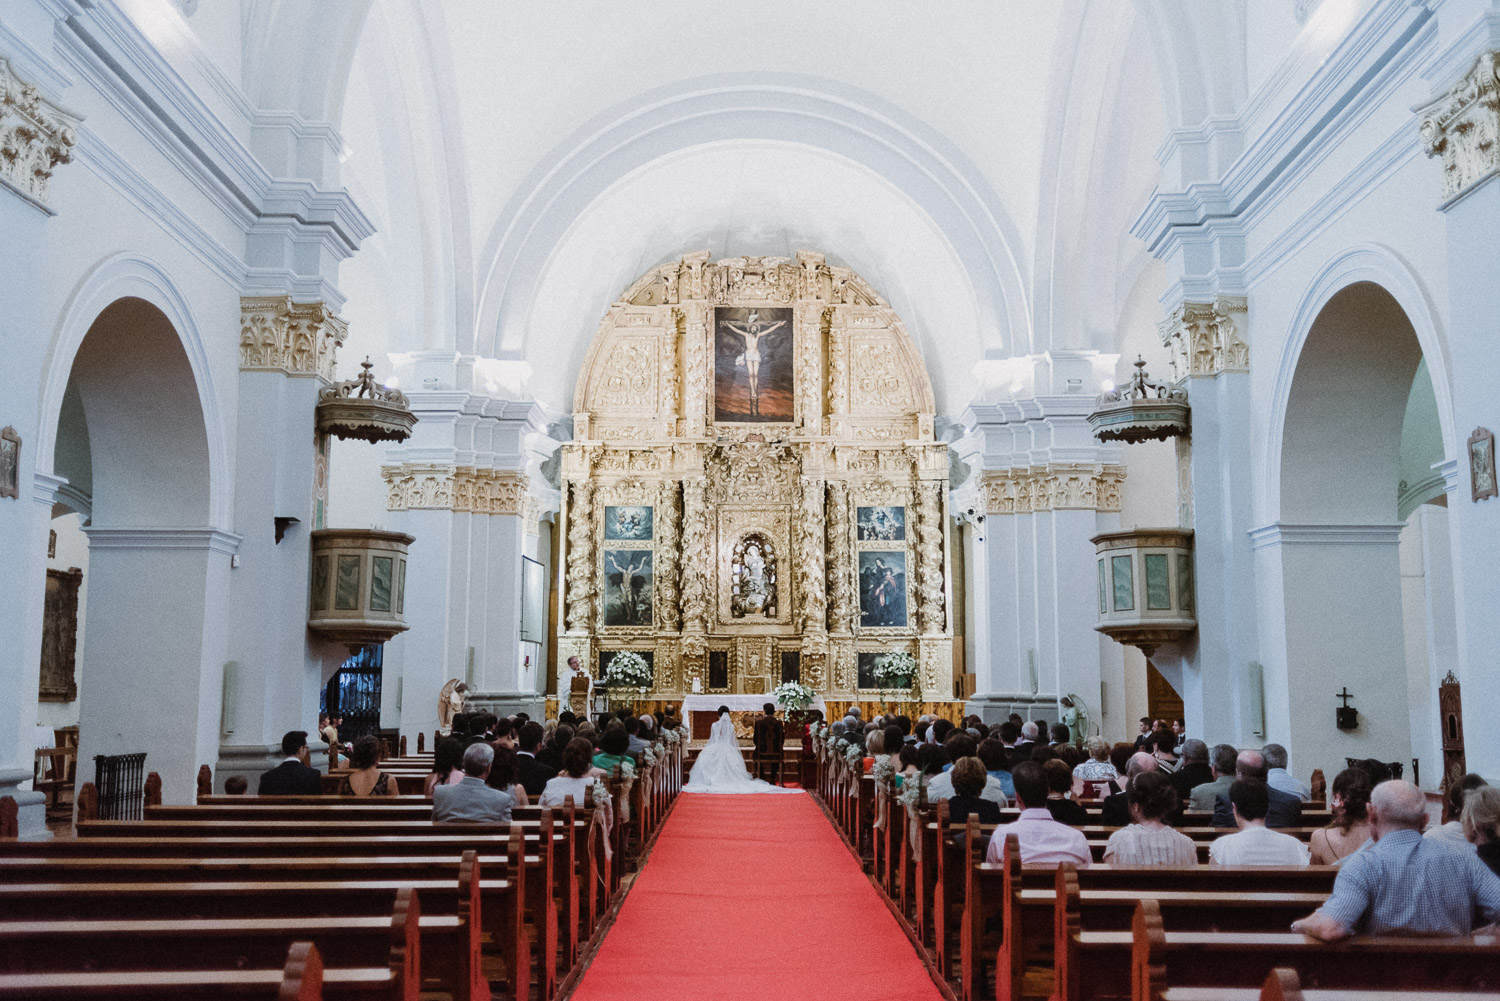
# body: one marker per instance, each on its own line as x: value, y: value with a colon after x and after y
x: 1344, y: 695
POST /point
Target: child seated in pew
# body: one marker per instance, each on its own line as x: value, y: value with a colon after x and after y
x: 236, y: 785
x: 1148, y: 840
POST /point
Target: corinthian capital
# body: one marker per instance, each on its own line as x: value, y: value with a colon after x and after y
x: 278, y: 335
x: 1462, y: 127
x: 1207, y: 338
x: 35, y: 136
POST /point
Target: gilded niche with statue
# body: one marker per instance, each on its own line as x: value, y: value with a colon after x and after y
x: 754, y: 492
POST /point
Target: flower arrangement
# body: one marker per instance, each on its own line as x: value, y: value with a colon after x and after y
x: 896, y: 670
x: 670, y: 736
x: 648, y: 757
x: 628, y: 669
x: 885, y: 768
x: 911, y: 792
x: 793, y: 695
x: 854, y: 754
x: 627, y: 769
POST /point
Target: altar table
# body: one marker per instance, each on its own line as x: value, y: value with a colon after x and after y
x: 700, y: 711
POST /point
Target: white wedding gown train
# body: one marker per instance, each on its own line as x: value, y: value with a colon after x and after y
x: 720, y: 767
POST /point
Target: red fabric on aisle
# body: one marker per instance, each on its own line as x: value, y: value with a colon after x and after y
x: 753, y: 897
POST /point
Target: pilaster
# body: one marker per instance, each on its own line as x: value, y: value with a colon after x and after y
x: 1461, y: 128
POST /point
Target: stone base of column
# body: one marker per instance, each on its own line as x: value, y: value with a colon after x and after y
x: 32, y: 806
x: 996, y: 707
x: 533, y: 704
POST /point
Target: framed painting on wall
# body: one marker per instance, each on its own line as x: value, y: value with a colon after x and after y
x: 627, y: 587
x: 627, y: 522
x: 1482, y: 464
x: 753, y: 379
x: 882, y: 588
x: 880, y: 524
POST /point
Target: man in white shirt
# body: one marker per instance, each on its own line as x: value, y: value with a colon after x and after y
x: 1255, y: 844
x: 1042, y: 840
x: 1277, y: 777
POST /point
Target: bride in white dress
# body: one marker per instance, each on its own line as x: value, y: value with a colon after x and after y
x: 720, y: 767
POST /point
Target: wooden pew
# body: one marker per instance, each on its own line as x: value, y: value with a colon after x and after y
x: 302, y: 978
x: 1244, y: 959
x: 143, y: 945
x: 1283, y: 984
x: 443, y: 949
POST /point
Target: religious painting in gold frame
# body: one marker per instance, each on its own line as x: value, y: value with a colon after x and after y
x: 753, y: 356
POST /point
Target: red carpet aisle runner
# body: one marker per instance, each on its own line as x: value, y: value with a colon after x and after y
x: 753, y: 897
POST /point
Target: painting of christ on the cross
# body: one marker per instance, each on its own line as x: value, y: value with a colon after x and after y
x: 753, y: 364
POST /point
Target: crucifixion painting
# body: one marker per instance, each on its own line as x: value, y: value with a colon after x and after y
x: 753, y: 364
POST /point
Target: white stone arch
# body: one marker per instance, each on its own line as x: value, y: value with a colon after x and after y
x: 1378, y: 265
x: 123, y: 276
x: 787, y: 108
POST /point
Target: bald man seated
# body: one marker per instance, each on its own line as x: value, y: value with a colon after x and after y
x: 1405, y: 884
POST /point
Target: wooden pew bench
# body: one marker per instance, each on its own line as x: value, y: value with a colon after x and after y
x: 1161, y: 957
x: 302, y: 978
x: 1283, y: 984
x: 450, y: 952
x: 144, y: 945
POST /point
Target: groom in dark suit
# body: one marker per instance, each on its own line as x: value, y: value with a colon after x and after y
x: 769, y: 739
x: 292, y: 777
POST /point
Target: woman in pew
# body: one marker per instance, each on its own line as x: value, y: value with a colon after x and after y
x: 614, y: 746
x: 578, y: 773
x: 1481, y: 822
x: 504, y: 773
x: 366, y: 778
x: 968, y: 782
x: 1148, y: 840
x: 447, y: 765
x: 1350, y: 802
x: 1097, y: 769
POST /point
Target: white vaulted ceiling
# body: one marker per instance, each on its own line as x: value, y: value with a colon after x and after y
x: 977, y: 162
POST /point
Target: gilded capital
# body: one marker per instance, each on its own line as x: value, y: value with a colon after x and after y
x: 1462, y: 127
x: 296, y: 338
x: 35, y: 136
x: 1207, y: 338
x: 414, y: 486
x: 1057, y: 486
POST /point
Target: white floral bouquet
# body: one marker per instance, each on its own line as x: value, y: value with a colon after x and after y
x: 627, y: 769
x: 854, y: 754
x: 793, y: 695
x: 648, y: 757
x: 885, y: 768
x: 896, y: 670
x: 911, y: 792
x: 670, y: 736
x: 628, y: 669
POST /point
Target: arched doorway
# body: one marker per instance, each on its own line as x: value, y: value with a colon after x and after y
x: 1358, y: 400
x: 132, y: 444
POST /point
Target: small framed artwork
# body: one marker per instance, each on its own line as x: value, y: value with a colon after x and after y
x: 1481, y: 464
x: 10, y: 463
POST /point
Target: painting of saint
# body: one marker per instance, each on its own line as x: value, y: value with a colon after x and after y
x: 753, y: 364
x: 882, y: 589
x: 627, y: 587
x: 880, y: 524
x: 628, y: 522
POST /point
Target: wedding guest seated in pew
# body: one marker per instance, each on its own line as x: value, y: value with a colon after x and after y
x: 531, y: 772
x: 365, y: 777
x: 1194, y: 769
x: 633, y: 736
x: 1097, y: 768
x: 1059, y: 785
x: 1165, y: 749
x: 1255, y: 844
x: 1350, y: 801
x: 236, y: 785
x: 503, y: 733
x: 503, y: 775
x: 996, y: 760
x: 1202, y: 798
x: 471, y: 801
x: 1043, y: 840
x: 1277, y: 777
x: 551, y: 753
x: 447, y: 765
x: 906, y: 763
x: 578, y: 773
x: 1452, y: 833
x: 1285, y: 810
x: 614, y: 745
x: 968, y: 777
x: 1149, y: 839
x: 293, y: 777
x: 1481, y: 824
x: 1405, y: 884
x: 874, y: 748
x: 1115, y: 811
x: 960, y: 745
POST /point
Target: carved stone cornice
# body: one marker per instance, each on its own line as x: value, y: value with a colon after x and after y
x: 1057, y: 486
x: 1463, y: 127
x: 416, y: 486
x: 1206, y: 338
x: 35, y: 137
x: 296, y: 338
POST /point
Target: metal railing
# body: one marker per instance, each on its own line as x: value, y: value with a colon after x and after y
x: 120, y: 781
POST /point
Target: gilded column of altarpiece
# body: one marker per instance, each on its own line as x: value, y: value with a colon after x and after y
x: 754, y: 490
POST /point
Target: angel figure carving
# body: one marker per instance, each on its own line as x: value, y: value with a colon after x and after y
x: 752, y: 332
x: 451, y: 703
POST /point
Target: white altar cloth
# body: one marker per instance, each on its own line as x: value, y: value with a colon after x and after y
x: 738, y: 703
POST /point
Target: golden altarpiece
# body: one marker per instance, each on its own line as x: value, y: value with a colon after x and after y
x: 753, y: 491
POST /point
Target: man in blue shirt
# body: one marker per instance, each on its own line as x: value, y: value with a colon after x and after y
x: 1404, y: 883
